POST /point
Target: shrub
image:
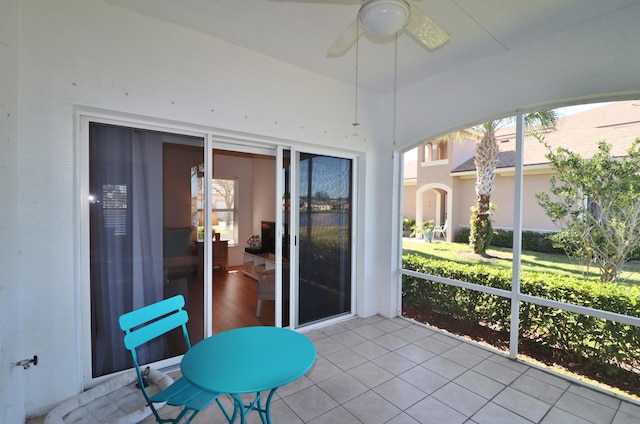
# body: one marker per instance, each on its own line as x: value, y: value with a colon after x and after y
x: 635, y: 254
x: 481, y: 232
x: 462, y: 236
x: 575, y: 337
x: 531, y: 240
x: 408, y: 223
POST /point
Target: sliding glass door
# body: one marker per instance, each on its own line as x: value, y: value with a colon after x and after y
x: 147, y: 237
x: 141, y: 237
x: 325, y: 230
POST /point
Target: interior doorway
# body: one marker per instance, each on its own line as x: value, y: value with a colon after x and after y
x: 235, y: 290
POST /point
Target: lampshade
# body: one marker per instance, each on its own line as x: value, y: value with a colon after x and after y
x: 214, y: 219
x: 382, y: 18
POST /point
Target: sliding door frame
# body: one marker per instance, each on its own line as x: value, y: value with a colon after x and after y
x: 213, y: 138
x: 83, y: 117
x: 295, y: 231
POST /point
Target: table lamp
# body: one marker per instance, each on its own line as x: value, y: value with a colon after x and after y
x: 214, y: 222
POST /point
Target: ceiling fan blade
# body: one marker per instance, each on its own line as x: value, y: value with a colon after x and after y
x: 347, y: 39
x: 424, y: 29
x: 347, y: 2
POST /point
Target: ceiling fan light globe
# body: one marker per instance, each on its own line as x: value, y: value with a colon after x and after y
x: 382, y: 18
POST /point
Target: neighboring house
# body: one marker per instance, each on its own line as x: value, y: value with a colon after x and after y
x: 440, y: 185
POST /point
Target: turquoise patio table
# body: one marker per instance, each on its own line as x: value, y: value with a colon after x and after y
x: 249, y: 360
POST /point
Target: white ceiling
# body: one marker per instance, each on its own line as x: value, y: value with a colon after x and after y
x: 299, y: 32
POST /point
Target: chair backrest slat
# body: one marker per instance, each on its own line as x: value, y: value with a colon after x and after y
x: 155, y: 329
x: 149, y: 322
x: 145, y: 314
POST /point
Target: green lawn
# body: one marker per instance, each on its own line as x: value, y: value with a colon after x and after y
x: 503, y: 258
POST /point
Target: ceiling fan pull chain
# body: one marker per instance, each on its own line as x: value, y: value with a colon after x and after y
x: 355, y: 123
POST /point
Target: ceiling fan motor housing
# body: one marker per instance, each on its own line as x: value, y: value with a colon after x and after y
x: 382, y: 18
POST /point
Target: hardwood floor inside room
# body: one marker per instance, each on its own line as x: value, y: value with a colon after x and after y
x: 234, y: 303
x: 235, y: 298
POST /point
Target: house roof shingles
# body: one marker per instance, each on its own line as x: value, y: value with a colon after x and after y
x: 617, y: 123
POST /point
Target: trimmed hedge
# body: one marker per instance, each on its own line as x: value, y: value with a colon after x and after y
x: 531, y: 240
x: 578, y: 338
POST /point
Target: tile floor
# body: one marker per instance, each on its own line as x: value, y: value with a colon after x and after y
x: 378, y: 370
x: 393, y: 371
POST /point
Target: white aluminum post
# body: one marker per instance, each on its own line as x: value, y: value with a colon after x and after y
x: 207, y: 205
x: 517, y: 238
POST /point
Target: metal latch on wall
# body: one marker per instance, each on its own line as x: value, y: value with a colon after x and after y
x: 26, y: 363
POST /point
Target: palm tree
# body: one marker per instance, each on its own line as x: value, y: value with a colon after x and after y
x: 486, y: 161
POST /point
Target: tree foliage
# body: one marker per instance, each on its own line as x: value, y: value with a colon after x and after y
x: 225, y: 189
x: 596, y: 206
x: 486, y: 162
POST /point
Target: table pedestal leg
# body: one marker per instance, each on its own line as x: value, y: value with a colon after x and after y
x: 256, y: 404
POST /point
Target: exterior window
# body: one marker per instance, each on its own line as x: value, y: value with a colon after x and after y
x: 114, y: 204
x: 428, y: 152
x: 435, y: 151
x: 443, y: 151
x: 224, y: 205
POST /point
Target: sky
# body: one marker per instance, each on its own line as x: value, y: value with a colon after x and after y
x: 412, y: 154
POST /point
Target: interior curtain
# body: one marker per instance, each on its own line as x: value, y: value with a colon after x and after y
x: 125, y: 168
x: 147, y: 230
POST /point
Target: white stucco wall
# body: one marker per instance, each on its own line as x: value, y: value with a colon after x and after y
x: 12, y: 379
x: 89, y: 53
x: 86, y: 52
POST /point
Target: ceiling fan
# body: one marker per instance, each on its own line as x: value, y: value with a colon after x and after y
x: 381, y: 19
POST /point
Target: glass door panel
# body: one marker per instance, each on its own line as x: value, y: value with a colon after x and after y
x: 183, y: 258
x: 141, y: 246
x: 325, y: 233
x: 243, y: 198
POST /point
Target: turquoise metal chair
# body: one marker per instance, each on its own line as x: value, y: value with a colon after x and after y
x: 152, y: 321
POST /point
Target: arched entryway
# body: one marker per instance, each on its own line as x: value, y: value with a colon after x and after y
x: 434, y: 201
